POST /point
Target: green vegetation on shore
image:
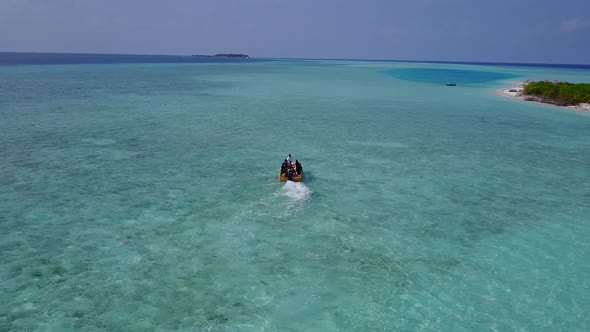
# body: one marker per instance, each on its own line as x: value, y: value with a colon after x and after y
x: 558, y: 93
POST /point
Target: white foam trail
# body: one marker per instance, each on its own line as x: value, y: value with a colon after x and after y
x: 293, y: 197
x: 296, y: 191
x: 289, y: 200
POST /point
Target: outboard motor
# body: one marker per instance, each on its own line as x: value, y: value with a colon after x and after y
x: 290, y: 175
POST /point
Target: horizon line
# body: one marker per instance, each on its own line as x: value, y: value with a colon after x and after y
x: 319, y: 58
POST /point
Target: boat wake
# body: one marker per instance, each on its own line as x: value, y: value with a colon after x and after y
x: 296, y: 191
x: 291, y: 199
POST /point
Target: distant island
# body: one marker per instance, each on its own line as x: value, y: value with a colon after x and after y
x: 233, y: 55
x: 226, y: 55
x: 574, y: 95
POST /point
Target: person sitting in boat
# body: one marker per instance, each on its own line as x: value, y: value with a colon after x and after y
x: 298, y: 168
x: 284, y: 167
x: 290, y: 159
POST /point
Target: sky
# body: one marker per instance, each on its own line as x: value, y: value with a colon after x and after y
x: 532, y: 31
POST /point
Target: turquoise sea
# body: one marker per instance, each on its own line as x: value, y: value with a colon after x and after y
x: 145, y: 197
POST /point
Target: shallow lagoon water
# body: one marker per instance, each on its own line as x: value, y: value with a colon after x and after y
x: 145, y: 197
x: 444, y: 75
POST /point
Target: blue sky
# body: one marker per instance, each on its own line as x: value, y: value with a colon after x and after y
x: 462, y: 30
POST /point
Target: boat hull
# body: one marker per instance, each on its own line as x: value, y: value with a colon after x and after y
x: 296, y: 178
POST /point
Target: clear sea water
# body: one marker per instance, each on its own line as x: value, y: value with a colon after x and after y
x: 144, y: 197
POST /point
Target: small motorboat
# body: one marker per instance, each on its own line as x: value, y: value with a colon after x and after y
x: 294, y: 177
x: 289, y: 172
x: 451, y: 84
